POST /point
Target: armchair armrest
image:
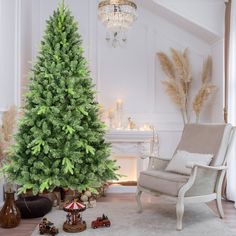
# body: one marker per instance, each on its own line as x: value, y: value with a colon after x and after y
x: 154, y: 157
x: 159, y: 158
x: 157, y: 163
x: 203, y: 180
x: 193, y: 165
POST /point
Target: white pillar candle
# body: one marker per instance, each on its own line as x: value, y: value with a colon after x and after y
x: 119, y: 104
x: 111, y: 113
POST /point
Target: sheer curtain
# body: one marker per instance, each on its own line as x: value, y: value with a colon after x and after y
x: 231, y: 173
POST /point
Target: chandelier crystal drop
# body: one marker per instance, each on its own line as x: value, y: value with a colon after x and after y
x: 118, y: 16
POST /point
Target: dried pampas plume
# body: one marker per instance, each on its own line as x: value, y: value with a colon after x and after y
x: 8, y: 123
x: 207, y: 70
x: 175, y: 92
x: 179, y: 80
x: 205, y: 91
x: 166, y: 65
x: 6, y: 131
x: 181, y: 65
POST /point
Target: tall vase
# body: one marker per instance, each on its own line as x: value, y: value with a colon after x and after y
x: 9, y: 214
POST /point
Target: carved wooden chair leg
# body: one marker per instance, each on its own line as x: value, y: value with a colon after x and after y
x: 138, y: 200
x: 219, y: 206
x: 180, y: 213
x: 218, y: 195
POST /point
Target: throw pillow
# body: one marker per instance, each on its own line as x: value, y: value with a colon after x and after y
x: 180, y: 160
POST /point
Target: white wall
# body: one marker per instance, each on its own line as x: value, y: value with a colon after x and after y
x: 7, y: 57
x: 205, y: 13
x: 217, y: 108
x: 25, y: 42
x: 16, y: 50
x: 131, y: 73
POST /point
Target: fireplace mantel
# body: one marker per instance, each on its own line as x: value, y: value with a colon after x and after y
x: 130, y: 144
x: 131, y: 136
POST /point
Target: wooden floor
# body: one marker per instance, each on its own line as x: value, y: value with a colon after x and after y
x: 27, y: 226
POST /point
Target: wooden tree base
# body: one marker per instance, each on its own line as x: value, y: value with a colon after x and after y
x: 74, y: 228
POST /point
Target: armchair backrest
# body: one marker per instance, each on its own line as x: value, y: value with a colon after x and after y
x: 206, y: 139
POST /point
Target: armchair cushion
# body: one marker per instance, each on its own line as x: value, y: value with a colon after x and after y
x: 181, y: 159
x: 162, y: 181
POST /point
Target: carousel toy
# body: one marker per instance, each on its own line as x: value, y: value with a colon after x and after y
x: 74, y: 222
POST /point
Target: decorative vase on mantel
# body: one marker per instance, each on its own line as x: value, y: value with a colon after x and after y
x: 9, y: 215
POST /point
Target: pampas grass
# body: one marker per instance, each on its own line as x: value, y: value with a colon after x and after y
x: 181, y: 65
x: 177, y: 94
x: 207, y: 88
x: 6, y: 131
x: 203, y: 94
x: 178, y: 85
x: 179, y: 78
x: 167, y: 65
x: 8, y: 123
x: 207, y: 70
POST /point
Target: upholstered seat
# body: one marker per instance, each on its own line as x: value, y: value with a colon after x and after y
x: 205, y: 180
x: 162, y: 181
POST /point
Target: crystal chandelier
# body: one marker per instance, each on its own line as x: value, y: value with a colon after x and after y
x: 118, y: 16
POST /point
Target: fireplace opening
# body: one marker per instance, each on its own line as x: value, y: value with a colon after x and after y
x: 127, y: 170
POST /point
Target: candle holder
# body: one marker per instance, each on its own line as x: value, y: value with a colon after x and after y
x: 111, y: 116
x: 119, y: 113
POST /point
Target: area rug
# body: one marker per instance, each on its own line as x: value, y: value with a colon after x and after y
x: 156, y: 219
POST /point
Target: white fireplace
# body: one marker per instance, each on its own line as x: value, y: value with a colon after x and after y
x: 127, y: 148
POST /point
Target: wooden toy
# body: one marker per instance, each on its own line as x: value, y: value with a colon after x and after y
x: 47, y: 227
x: 101, y: 222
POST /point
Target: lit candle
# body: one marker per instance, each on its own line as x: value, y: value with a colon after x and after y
x: 111, y: 116
x: 119, y: 104
x: 145, y: 127
x: 111, y: 113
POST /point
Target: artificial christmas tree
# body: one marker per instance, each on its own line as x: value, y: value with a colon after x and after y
x: 60, y: 140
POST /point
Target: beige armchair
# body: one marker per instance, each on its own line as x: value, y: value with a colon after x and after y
x: 205, y: 181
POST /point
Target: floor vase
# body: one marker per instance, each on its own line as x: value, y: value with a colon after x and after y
x: 9, y: 215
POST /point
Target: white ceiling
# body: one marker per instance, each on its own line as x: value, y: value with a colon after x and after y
x: 203, y: 18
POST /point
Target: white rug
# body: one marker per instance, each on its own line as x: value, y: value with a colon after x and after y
x: 156, y: 220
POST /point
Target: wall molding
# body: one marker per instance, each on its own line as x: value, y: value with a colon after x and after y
x: 93, y: 44
x: 3, y: 109
x: 17, y: 79
x: 36, y: 29
x: 128, y: 136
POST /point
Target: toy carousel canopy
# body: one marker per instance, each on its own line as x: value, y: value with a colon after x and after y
x: 74, y: 206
